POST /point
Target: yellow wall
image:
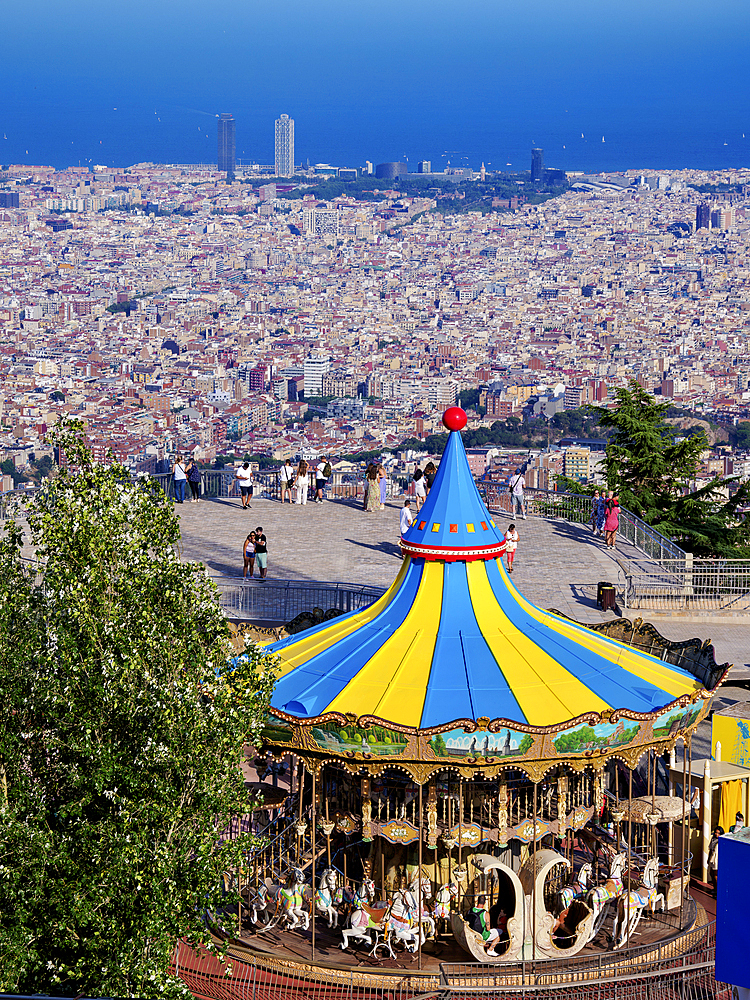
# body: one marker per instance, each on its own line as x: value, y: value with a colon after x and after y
x: 734, y: 736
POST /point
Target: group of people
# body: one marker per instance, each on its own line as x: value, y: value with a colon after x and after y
x: 255, y: 551
x: 186, y: 472
x: 605, y: 516
x: 296, y: 481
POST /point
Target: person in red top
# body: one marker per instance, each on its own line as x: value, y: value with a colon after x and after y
x: 611, y: 522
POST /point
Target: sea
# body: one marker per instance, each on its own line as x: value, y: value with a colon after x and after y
x: 600, y: 87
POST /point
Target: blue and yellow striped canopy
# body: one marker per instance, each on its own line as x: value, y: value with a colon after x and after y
x: 453, y: 639
x: 456, y: 640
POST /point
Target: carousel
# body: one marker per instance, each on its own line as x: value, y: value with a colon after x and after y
x: 474, y: 779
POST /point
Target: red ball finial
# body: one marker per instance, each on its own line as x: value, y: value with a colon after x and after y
x: 454, y: 418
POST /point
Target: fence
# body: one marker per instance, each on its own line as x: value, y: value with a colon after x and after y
x: 280, y: 601
x: 689, y: 585
x: 686, y: 973
x: 577, y: 508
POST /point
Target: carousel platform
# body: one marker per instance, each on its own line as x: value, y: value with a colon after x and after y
x: 656, y: 936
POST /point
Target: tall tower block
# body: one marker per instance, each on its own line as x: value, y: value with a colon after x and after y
x: 226, y: 143
x: 284, y: 146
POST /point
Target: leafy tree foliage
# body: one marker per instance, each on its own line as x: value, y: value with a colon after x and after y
x: 121, y: 738
x: 654, y: 473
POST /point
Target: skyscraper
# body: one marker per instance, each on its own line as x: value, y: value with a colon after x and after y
x: 537, y: 164
x: 284, y: 146
x: 703, y: 217
x: 226, y: 150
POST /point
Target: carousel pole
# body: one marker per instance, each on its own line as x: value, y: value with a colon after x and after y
x: 654, y: 838
x: 328, y: 831
x: 460, y: 813
x: 533, y: 885
x: 312, y: 843
x: 239, y: 902
x: 684, y: 834
x: 419, y: 883
x: 630, y: 841
x: 299, y: 838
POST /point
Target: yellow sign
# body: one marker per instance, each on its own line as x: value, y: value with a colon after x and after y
x: 734, y: 736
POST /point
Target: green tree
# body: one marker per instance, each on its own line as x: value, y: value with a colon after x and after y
x: 653, y: 473
x: 121, y: 736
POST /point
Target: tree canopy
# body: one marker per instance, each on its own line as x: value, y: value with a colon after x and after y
x: 654, y: 474
x: 121, y: 738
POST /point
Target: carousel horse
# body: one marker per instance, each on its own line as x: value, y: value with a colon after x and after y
x: 630, y: 906
x: 326, y: 896
x: 600, y: 895
x: 353, y: 898
x: 577, y: 888
x: 441, y: 909
x: 394, y: 919
x: 404, y: 924
x: 420, y: 889
x: 257, y: 901
x: 291, y: 899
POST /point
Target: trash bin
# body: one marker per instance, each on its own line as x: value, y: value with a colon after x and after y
x: 607, y: 599
x: 599, y: 587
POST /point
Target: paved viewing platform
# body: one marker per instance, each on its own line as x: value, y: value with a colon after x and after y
x: 558, y: 563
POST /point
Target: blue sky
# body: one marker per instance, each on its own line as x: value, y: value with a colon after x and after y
x: 445, y: 81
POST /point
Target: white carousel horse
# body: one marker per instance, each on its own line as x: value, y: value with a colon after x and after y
x: 291, y: 899
x: 420, y: 889
x: 600, y: 895
x: 393, y: 920
x: 442, y: 906
x: 404, y: 924
x: 326, y: 896
x: 630, y: 907
x: 577, y: 889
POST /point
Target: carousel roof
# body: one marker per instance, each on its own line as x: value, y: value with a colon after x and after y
x: 453, y: 639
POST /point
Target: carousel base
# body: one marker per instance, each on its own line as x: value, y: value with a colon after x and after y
x: 286, y: 958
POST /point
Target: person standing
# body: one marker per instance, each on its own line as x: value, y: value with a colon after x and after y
x: 248, y: 554
x: 713, y: 857
x: 612, y: 522
x: 261, y: 552
x: 244, y: 478
x: 430, y: 471
x: 511, y: 544
x: 599, y: 513
x: 372, y: 498
x: 517, y: 484
x: 300, y: 484
x: 322, y: 472
x: 180, y: 478
x: 420, y: 493
x: 286, y: 476
x: 594, y: 510
x: 407, y: 518
x: 194, y: 478
x: 383, y: 484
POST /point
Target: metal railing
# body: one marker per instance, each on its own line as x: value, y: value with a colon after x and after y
x: 689, y: 585
x: 577, y: 508
x: 281, y: 600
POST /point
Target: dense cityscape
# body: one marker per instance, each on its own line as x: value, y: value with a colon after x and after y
x: 182, y: 309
